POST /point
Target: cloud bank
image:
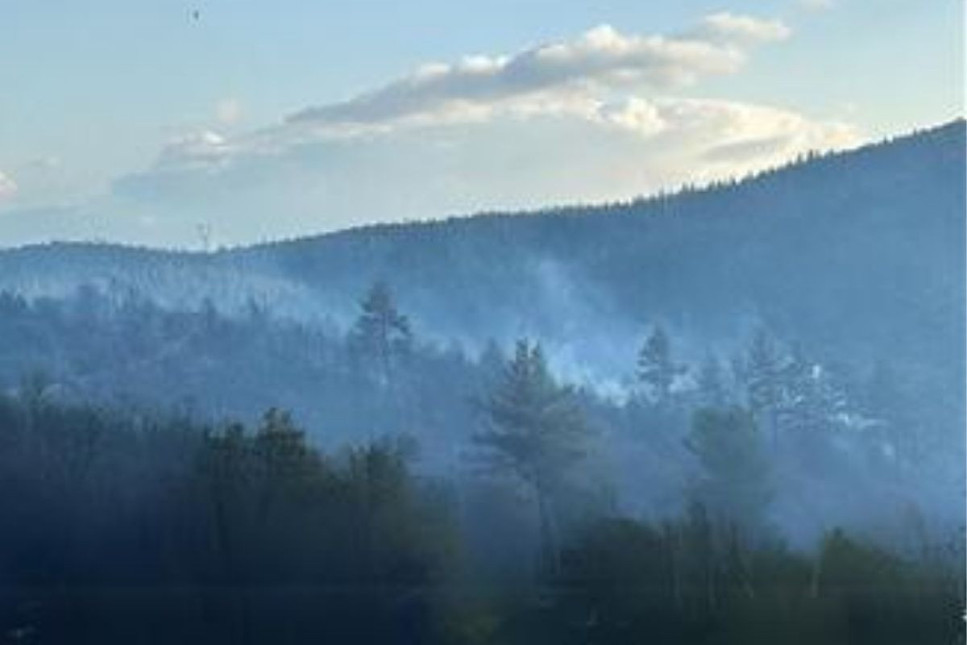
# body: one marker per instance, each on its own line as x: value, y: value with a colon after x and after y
x: 603, y: 77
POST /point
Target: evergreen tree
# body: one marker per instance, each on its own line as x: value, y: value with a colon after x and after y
x: 536, y: 431
x: 809, y: 399
x: 656, y: 369
x: 381, y: 334
x: 282, y: 447
x: 762, y: 372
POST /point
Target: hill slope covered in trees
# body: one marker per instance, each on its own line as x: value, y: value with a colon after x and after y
x: 723, y: 412
x: 858, y: 253
x: 828, y: 295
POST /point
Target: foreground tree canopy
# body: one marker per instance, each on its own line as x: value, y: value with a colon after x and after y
x: 124, y: 528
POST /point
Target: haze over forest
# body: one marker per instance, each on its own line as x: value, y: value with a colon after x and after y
x: 620, y: 337
x: 820, y: 305
x: 825, y: 297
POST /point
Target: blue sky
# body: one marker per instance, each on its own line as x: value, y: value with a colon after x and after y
x: 133, y: 121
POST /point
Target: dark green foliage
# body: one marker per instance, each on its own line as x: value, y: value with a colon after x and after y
x: 734, y: 480
x: 118, y: 530
x: 536, y: 427
x: 623, y: 582
x: 536, y: 432
x: 620, y: 582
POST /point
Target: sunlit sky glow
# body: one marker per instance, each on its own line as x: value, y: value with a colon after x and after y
x: 139, y: 122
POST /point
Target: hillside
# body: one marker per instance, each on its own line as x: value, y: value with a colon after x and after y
x: 853, y: 264
x: 859, y: 253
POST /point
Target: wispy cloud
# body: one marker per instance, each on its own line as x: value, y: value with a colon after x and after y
x: 734, y: 29
x: 201, y: 149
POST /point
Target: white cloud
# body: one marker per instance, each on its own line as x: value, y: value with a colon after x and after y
x: 198, y: 149
x: 741, y: 30
x: 721, y: 125
x: 596, y: 118
x: 603, y: 59
x: 577, y: 78
x: 726, y: 138
x: 636, y: 114
x: 618, y: 150
x: 8, y: 187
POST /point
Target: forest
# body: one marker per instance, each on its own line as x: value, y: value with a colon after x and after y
x: 728, y: 415
x: 489, y: 501
x: 124, y: 529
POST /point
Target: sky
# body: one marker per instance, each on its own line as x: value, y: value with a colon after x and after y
x: 225, y: 122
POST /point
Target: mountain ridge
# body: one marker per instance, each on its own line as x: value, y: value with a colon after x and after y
x: 955, y: 129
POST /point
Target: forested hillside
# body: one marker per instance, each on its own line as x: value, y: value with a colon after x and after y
x: 856, y: 253
x: 721, y: 412
x: 851, y: 266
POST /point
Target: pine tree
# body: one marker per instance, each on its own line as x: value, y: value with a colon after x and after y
x: 381, y: 335
x: 536, y: 431
x: 762, y: 372
x: 281, y: 446
x: 809, y: 399
x: 656, y: 369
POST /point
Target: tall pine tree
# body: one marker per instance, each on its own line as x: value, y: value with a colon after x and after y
x: 536, y: 431
x: 762, y: 372
x: 381, y: 336
x: 656, y: 369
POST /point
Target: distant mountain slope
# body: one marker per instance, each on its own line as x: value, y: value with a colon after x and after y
x: 859, y: 255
